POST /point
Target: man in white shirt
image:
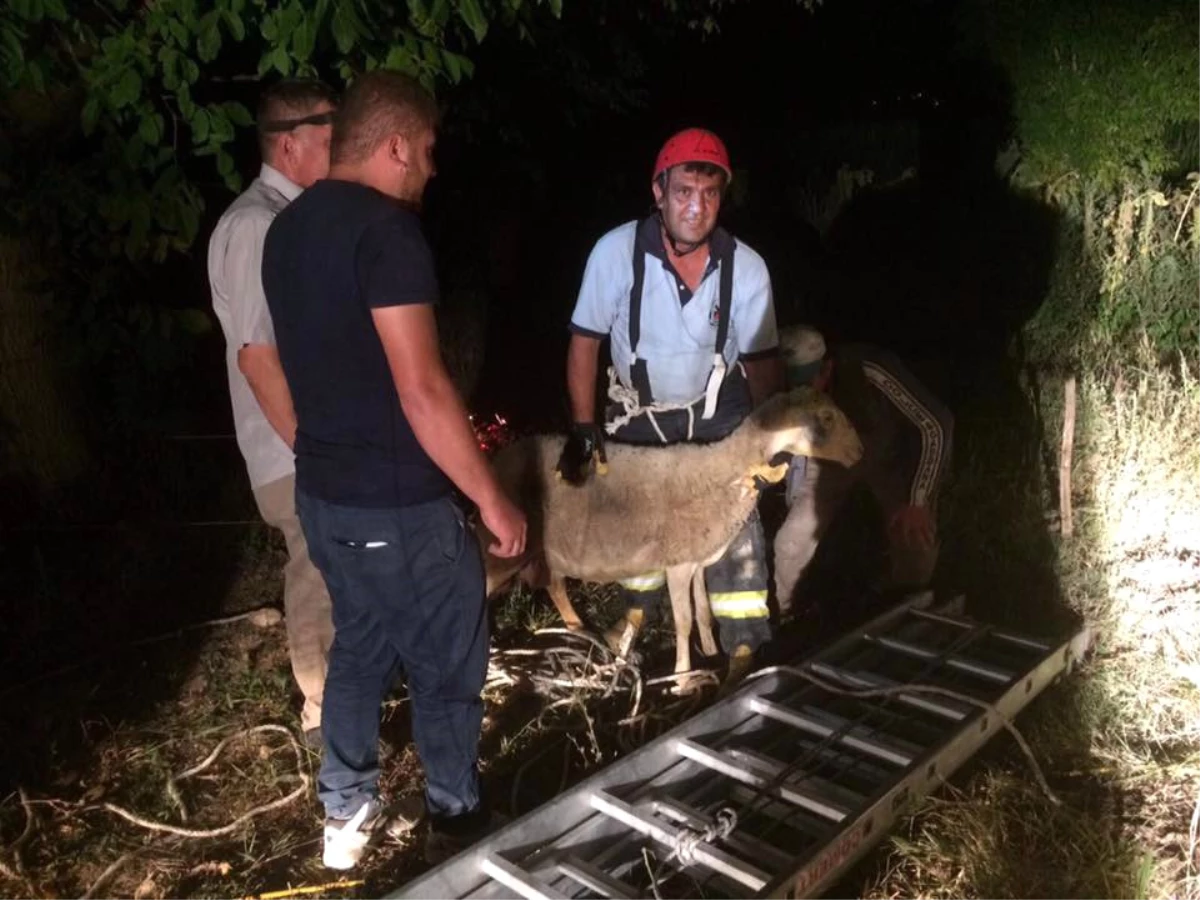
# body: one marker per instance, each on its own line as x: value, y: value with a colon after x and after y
x: 688, y: 312
x: 294, y: 130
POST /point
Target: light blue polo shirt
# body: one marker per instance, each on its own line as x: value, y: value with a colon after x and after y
x: 678, y: 329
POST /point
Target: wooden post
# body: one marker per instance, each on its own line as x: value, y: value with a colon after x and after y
x: 1067, y: 524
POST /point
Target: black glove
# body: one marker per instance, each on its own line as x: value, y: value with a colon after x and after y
x: 584, y: 448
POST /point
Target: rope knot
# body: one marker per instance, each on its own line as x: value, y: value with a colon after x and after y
x: 723, y: 824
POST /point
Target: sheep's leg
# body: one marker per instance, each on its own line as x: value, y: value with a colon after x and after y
x: 557, y: 588
x: 679, y: 583
x: 704, y: 619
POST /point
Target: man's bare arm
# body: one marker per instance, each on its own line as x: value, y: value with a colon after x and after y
x: 439, y: 419
x: 583, y: 356
x: 765, y: 377
x: 264, y: 373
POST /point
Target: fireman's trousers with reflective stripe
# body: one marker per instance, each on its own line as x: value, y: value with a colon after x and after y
x: 737, y: 589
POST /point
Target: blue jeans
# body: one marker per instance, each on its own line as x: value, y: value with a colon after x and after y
x: 407, y: 586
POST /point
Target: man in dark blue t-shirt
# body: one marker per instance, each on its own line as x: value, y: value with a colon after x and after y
x: 382, y: 438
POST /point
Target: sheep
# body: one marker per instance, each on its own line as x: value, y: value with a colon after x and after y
x: 674, y: 508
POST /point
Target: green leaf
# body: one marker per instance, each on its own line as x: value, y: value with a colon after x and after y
x: 400, y: 60
x: 236, y: 26
x: 127, y: 89
x: 344, y: 33
x: 473, y: 16
x: 183, y: 97
x: 90, y: 115
x: 200, y: 124
x: 189, y: 219
x: 12, y: 44
x: 304, y: 39
x: 225, y: 163
x: 238, y: 114
x: 191, y: 71
x: 150, y: 128
x: 193, y: 321
x: 178, y: 31
x: 220, y: 129
x: 457, y: 66
x: 208, y: 44
x: 453, y: 67
x: 282, y: 61
x: 56, y: 10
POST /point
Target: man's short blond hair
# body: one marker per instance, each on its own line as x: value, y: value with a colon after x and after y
x: 377, y: 105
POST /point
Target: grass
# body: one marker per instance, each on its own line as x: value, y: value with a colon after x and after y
x: 122, y: 728
x: 1119, y: 741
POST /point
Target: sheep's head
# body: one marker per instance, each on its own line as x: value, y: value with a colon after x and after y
x: 806, y: 422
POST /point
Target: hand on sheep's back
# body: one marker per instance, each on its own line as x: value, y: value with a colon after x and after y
x: 583, y: 452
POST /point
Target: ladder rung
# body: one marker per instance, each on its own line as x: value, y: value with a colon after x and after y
x: 1012, y: 638
x: 744, y: 843
x: 861, y: 766
x: 962, y: 663
x: 596, y: 880
x: 784, y: 813
x: 514, y: 877
x: 821, y: 788
x: 946, y: 707
x: 706, y: 854
x: 842, y: 730
x: 792, y: 794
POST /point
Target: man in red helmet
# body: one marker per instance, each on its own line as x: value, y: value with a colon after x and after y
x: 690, y: 318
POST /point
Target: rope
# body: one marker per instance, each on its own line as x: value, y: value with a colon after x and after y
x: 819, y: 682
x: 627, y: 399
x: 684, y: 846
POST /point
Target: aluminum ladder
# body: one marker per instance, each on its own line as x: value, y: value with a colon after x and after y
x: 778, y: 788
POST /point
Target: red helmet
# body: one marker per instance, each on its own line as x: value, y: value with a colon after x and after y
x: 693, y: 145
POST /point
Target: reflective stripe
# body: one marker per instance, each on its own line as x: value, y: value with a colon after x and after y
x: 650, y: 582
x: 740, y: 605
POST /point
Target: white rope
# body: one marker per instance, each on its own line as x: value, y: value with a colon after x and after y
x: 684, y: 846
x: 895, y: 690
x: 627, y: 398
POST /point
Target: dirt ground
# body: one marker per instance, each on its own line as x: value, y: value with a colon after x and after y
x: 105, y: 716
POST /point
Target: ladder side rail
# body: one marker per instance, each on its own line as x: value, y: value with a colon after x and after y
x: 763, y: 685
x: 569, y: 817
x: 824, y: 865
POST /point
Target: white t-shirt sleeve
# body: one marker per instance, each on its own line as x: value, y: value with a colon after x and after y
x: 607, y: 279
x: 753, y: 304
x: 250, y: 317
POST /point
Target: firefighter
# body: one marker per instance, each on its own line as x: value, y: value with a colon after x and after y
x: 688, y: 311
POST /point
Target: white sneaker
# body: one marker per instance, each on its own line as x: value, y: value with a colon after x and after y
x: 346, y: 839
